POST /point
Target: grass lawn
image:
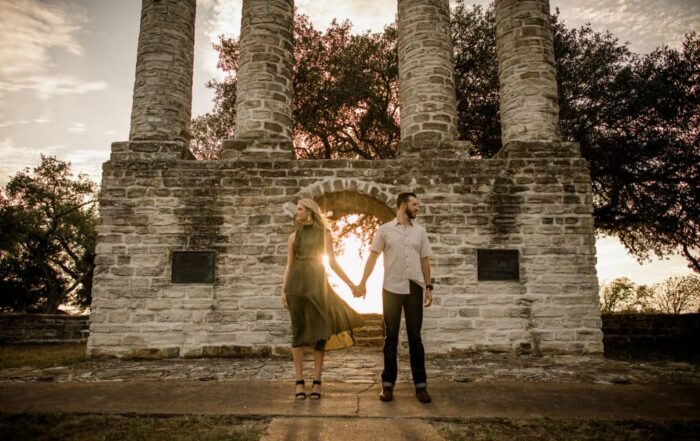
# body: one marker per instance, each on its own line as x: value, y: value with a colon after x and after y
x: 41, y: 355
x: 546, y: 429
x: 60, y: 426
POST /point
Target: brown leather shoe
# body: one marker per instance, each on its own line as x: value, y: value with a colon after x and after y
x: 387, y: 394
x: 423, y: 395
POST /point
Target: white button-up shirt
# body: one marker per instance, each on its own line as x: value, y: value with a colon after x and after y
x: 403, y: 247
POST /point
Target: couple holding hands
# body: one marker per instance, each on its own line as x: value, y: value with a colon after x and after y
x: 322, y: 320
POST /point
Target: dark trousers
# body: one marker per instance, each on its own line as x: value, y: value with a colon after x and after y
x: 412, y: 305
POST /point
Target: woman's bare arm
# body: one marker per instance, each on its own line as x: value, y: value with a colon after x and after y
x: 334, y: 263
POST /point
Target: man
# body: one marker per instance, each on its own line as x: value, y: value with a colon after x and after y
x: 406, y: 286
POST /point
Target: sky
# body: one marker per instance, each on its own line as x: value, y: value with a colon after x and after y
x: 67, y: 73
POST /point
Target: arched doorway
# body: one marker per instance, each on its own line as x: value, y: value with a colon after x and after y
x: 356, y: 217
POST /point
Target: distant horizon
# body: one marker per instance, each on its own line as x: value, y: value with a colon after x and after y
x: 67, y: 74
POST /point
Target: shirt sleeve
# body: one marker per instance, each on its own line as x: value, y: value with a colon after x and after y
x: 425, y: 250
x: 378, y: 242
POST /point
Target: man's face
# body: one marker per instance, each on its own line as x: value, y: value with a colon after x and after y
x: 412, y: 207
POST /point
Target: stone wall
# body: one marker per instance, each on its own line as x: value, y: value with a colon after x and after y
x: 42, y: 328
x: 532, y: 197
x: 634, y: 336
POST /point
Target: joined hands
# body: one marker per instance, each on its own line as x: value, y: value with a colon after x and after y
x: 358, y: 291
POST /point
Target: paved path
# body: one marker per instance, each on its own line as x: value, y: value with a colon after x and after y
x: 347, y: 400
x: 346, y: 429
x: 363, y: 365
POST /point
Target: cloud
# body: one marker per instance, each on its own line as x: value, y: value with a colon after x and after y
x: 32, y: 34
x: 223, y: 17
x: 17, y: 158
x: 364, y: 14
x: 46, y: 86
x: 646, y: 24
x: 614, y: 261
x: 77, y: 127
x: 12, y: 123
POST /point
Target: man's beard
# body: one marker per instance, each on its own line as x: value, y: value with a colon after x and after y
x: 410, y: 213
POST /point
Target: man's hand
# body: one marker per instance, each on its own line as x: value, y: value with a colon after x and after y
x: 362, y: 289
x: 428, y: 300
x: 284, y: 301
x: 355, y: 290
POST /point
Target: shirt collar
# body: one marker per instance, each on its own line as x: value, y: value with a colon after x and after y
x: 398, y: 224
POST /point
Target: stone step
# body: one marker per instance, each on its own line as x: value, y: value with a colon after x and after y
x: 369, y: 332
x: 369, y: 341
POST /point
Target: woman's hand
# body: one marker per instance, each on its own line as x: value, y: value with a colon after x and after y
x: 284, y: 301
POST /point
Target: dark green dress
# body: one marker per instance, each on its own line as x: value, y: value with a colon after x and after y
x: 320, y: 318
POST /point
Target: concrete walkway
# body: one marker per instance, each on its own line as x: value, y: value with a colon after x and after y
x: 352, y: 401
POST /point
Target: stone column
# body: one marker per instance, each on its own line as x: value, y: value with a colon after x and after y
x: 264, y: 91
x: 162, y: 105
x: 426, y: 71
x: 526, y: 71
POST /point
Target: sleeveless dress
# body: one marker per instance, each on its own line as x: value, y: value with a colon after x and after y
x: 320, y: 318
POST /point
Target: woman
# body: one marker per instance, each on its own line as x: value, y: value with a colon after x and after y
x: 319, y: 317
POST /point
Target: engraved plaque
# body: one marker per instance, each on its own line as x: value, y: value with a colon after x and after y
x: 193, y: 266
x: 498, y: 264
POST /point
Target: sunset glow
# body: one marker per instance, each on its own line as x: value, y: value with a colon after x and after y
x: 353, y: 266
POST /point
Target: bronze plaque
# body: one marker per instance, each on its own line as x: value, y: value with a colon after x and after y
x: 193, y: 266
x: 498, y: 264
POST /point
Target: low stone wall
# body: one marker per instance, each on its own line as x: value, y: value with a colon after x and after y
x: 652, y: 336
x: 43, y: 328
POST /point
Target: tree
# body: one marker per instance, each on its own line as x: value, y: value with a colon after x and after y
x: 623, y: 295
x: 476, y: 78
x: 676, y: 295
x: 636, y: 119
x: 345, y: 94
x: 47, y: 238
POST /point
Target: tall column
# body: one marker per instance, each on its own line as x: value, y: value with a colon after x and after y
x: 426, y: 71
x: 162, y: 105
x: 526, y: 71
x: 264, y: 90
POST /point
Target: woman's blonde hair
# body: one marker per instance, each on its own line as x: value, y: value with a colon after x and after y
x: 319, y: 220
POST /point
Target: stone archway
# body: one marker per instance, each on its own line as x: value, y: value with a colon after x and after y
x: 348, y: 196
x: 339, y: 198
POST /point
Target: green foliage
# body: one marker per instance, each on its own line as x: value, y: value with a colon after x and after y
x: 47, y: 238
x: 676, y: 295
x: 623, y: 295
x: 476, y: 77
x: 345, y: 94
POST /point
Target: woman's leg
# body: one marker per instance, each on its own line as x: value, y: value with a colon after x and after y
x: 298, y: 355
x: 318, y: 368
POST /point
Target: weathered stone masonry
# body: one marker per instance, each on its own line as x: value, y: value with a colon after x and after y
x: 162, y: 105
x: 533, y: 196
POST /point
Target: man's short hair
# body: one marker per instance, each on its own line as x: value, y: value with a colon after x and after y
x: 404, y: 197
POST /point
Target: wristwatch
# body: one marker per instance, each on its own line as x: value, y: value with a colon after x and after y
x: 429, y: 286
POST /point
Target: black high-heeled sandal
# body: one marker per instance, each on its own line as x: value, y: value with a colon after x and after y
x: 316, y: 395
x: 300, y: 395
